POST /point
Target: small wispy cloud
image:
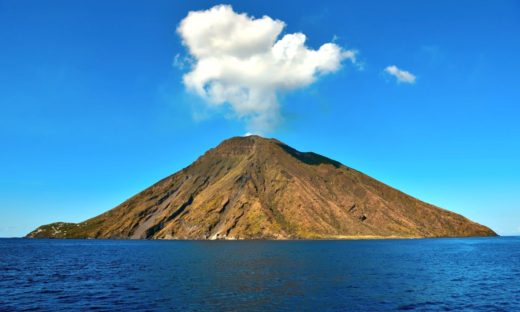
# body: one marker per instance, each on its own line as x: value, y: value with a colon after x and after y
x: 400, y: 74
x: 241, y: 61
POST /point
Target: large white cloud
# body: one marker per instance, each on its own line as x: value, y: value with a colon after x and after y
x: 241, y: 60
x: 400, y: 74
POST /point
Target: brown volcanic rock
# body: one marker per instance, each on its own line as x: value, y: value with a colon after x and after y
x: 257, y: 188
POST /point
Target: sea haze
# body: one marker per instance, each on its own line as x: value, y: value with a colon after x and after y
x: 478, y: 274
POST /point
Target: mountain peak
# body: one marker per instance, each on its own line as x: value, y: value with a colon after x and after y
x: 258, y: 144
x: 247, y: 141
x: 253, y: 187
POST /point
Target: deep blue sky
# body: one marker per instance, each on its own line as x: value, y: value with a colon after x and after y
x: 93, y: 111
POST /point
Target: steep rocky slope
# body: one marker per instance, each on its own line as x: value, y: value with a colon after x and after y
x: 257, y: 188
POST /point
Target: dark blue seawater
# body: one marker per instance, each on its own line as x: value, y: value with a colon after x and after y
x: 427, y: 275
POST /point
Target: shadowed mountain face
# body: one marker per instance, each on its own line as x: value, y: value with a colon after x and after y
x: 257, y: 188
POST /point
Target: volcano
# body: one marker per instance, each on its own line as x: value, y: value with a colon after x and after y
x: 257, y: 188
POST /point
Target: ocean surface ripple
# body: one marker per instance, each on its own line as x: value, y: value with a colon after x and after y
x: 473, y: 274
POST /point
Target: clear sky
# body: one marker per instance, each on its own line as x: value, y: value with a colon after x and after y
x: 93, y: 108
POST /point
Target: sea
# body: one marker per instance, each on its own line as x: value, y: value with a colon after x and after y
x: 467, y: 274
